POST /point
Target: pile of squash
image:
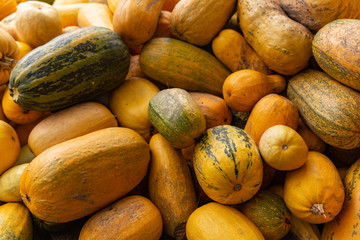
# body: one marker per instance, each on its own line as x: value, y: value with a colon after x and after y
x: 180, y: 119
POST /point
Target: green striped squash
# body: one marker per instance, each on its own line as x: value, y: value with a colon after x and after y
x: 71, y: 68
x: 328, y: 107
x: 182, y: 65
x: 176, y: 116
x: 227, y: 164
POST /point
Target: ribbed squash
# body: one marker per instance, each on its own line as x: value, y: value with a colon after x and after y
x: 95, y: 14
x: 9, y: 146
x: 180, y: 64
x: 175, y: 114
x: 72, y: 68
x: 271, y: 110
x: 17, y: 114
x: 82, y: 175
x: 231, y: 48
x: 206, y: 19
x: 227, y: 164
x: 329, y: 108
x: 170, y: 184
x: 314, y: 193
x: 130, y: 101
x: 15, y: 222
x: 346, y: 224
x: 214, y: 109
x: 8, y: 51
x: 37, y: 23
x: 336, y: 50
x: 10, y: 184
x: 214, y: 221
x: 269, y: 213
x: 283, y: 44
x: 69, y: 123
x: 130, y: 16
x: 133, y: 217
x: 244, y: 88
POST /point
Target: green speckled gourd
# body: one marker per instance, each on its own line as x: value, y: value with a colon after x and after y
x: 176, y: 116
x: 71, y: 68
x: 328, y: 107
x: 227, y: 164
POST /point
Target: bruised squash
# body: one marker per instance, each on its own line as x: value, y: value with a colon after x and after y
x: 80, y: 176
x: 197, y: 22
x: 271, y: 110
x: 231, y: 48
x: 133, y: 217
x: 243, y: 88
x: 69, y: 123
x: 314, y: 192
x: 170, y: 184
x: 283, y: 44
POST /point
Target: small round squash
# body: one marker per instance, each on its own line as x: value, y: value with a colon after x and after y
x: 175, y: 114
x: 37, y: 22
x: 9, y: 146
x: 133, y: 217
x: 283, y: 148
x: 227, y: 164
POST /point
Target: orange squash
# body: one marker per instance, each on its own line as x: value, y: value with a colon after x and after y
x: 314, y: 192
x: 69, y: 29
x: 169, y: 5
x: 269, y: 111
x: 15, y: 222
x: 313, y: 142
x: 346, y: 224
x: 7, y: 7
x: 163, y: 25
x: 134, y: 69
x: 68, y: 2
x: 2, y: 115
x: 214, y: 221
x: 227, y: 164
x: 130, y: 102
x: 231, y: 48
x: 242, y: 89
x: 69, y: 123
x: 112, y: 5
x: 37, y: 23
x: 214, y: 109
x: 133, y: 217
x: 207, y: 19
x: 69, y: 13
x: 87, y: 173
x: 95, y: 14
x: 170, y: 185
x: 130, y: 16
x: 17, y: 114
x: 283, y: 148
x: 8, y: 51
x: 8, y: 24
x: 9, y: 146
x: 23, y: 50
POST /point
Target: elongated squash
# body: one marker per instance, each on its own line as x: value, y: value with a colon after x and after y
x: 72, y: 68
x: 346, y: 224
x: 330, y: 109
x: 82, y: 175
x: 69, y: 123
x: 183, y: 65
x: 170, y: 185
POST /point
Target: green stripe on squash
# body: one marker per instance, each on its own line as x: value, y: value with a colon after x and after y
x: 71, y: 68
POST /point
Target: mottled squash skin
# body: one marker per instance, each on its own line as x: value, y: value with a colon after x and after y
x: 283, y: 44
x: 336, y: 50
x: 197, y: 22
x: 346, y: 224
x: 329, y: 108
x: 170, y: 184
x: 227, y: 164
x: 82, y: 175
x: 132, y: 217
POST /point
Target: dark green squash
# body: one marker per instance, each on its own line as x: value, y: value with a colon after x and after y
x: 269, y: 213
x: 329, y: 108
x: 69, y: 69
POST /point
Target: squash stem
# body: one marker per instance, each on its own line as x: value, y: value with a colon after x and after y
x: 7, y: 63
x: 318, y: 209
